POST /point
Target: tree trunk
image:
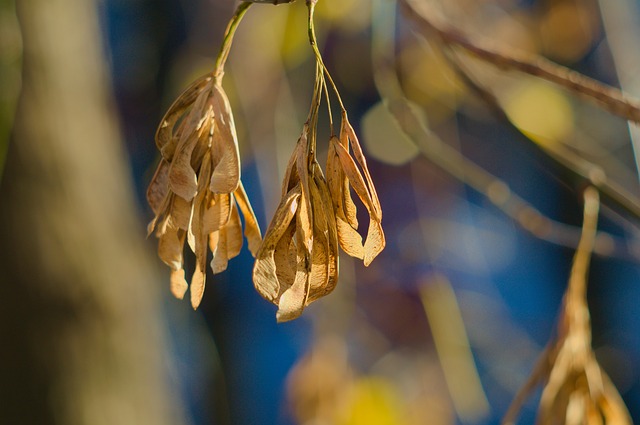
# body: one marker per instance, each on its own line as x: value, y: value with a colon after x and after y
x: 80, y: 319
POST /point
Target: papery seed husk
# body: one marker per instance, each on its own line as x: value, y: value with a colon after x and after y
x: 338, y: 186
x: 178, y: 284
x: 182, y: 177
x: 221, y: 257
x: 348, y: 211
x: 294, y: 299
x: 322, y: 277
x: 350, y: 239
x: 332, y: 231
x: 205, y: 131
x: 291, y: 177
x: 170, y: 248
x: 356, y: 180
x: 200, y: 238
x: 234, y: 232
x: 359, y: 155
x: 197, y: 285
x: 285, y: 259
x: 304, y: 218
x: 196, y: 229
x: 216, y: 215
x: 325, y: 196
x: 265, y: 279
x: 159, y: 221
x: 180, y: 212
x: 165, y: 140
x: 251, y: 227
x: 224, y: 148
x: 214, y: 238
x: 375, y: 241
x: 158, y: 189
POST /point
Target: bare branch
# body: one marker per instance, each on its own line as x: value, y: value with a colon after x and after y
x: 607, y: 97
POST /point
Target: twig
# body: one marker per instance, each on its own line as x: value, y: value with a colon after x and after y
x: 609, y: 98
x: 458, y: 166
x: 496, y: 191
x: 577, y: 167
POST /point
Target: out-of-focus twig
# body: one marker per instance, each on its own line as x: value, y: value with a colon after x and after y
x: 579, y: 168
x: 452, y: 344
x: 609, y: 98
x: 612, y: 100
x: 458, y: 166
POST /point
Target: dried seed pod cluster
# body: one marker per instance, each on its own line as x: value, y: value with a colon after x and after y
x: 196, y: 192
x: 196, y: 195
x: 297, y: 262
x: 577, y: 390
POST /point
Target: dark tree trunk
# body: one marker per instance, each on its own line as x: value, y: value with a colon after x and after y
x: 81, y: 339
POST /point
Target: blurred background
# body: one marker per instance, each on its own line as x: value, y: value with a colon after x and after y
x: 442, y: 328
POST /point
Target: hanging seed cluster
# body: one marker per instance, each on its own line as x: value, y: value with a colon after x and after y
x: 197, y: 196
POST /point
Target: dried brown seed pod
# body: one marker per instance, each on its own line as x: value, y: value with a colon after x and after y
x: 297, y: 262
x: 197, y: 185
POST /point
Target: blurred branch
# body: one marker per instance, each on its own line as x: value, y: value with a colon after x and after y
x: 609, y: 98
x: 458, y: 166
x: 579, y: 168
x: 452, y: 345
x: 497, y: 191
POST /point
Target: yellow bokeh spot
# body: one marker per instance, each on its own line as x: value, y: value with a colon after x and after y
x: 295, y: 43
x: 430, y: 82
x: 540, y: 111
x: 373, y: 401
x: 347, y: 15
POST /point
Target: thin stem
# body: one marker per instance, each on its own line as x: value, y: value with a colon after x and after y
x: 326, y: 95
x: 228, y: 38
x: 578, y: 279
x: 311, y: 4
x: 312, y: 119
